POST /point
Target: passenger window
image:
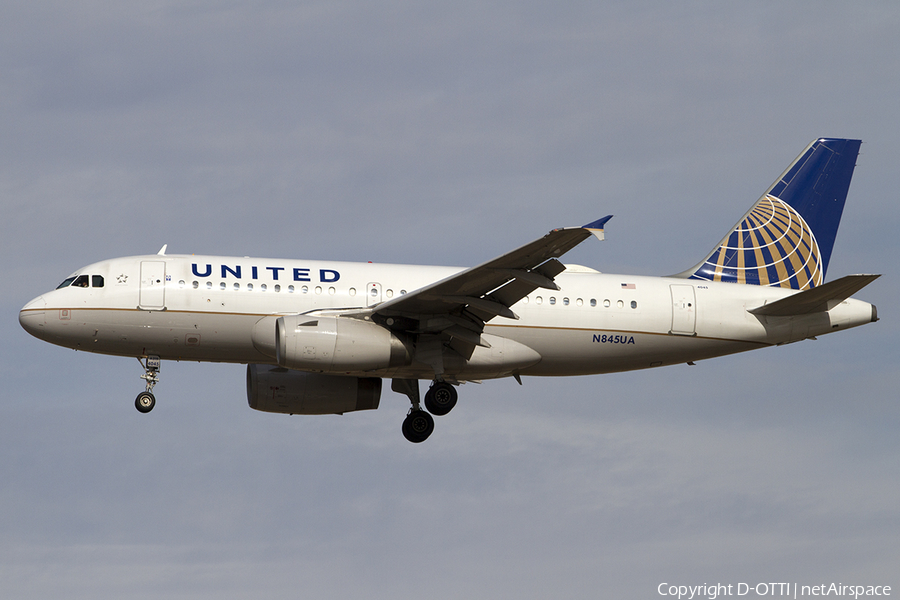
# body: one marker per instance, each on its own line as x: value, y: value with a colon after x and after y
x: 565, y: 301
x: 96, y: 280
x: 290, y: 289
x: 81, y: 281
x: 263, y: 287
x: 552, y: 299
x: 579, y: 302
x: 249, y: 287
x: 634, y: 304
x: 593, y: 302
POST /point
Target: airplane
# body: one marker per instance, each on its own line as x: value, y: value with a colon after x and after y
x: 318, y: 337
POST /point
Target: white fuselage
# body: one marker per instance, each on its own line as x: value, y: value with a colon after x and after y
x: 204, y: 308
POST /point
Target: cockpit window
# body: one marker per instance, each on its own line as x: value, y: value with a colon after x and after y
x: 82, y: 281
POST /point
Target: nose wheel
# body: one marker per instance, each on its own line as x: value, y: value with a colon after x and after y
x: 145, y: 401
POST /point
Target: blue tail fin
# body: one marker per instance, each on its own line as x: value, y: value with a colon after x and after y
x: 786, y: 239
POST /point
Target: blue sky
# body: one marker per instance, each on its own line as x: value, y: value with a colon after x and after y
x: 441, y: 134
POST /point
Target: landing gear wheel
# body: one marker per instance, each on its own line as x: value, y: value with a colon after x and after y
x: 145, y: 402
x: 440, y: 398
x: 417, y: 426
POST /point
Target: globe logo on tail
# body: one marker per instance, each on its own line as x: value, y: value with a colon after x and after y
x: 773, y: 246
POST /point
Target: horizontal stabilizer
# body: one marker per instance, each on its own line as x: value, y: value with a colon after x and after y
x: 818, y: 299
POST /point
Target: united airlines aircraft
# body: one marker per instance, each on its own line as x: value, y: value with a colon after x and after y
x: 318, y: 337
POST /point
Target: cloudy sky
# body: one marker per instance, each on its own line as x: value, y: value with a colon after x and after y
x: 441, y: 133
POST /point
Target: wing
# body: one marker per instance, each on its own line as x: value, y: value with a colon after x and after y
x: 454, y: 310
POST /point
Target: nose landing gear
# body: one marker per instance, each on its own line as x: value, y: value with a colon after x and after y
x: 145, y: 401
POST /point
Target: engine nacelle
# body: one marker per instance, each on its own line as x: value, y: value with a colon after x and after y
x: 329, y: 344
x: 280, y: 390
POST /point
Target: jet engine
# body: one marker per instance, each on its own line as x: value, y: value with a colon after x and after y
x: 279, y: 390
x: 329, y: 344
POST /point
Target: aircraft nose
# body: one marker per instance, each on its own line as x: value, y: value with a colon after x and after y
x: 33, y: 318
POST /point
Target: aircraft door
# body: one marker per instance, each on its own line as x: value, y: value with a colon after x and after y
x: 153, y: 285
x: 373, y: 294
x: 684, y: 310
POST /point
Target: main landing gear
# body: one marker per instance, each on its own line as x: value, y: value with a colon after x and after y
x: 439, y: 400
x: 417, y: 425
x: 145, y: 401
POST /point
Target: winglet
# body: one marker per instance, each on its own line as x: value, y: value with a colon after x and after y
x: 597, y: 227
x: 162, y: 251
